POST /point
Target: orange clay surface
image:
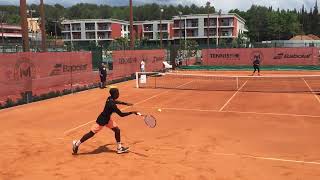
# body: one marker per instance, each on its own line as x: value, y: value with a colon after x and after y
x: 200, y: 135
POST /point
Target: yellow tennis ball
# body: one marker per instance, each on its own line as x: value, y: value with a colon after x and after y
x: 159, y: 110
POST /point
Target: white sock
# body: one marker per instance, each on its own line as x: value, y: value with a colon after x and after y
x: 119, y: 145
x: 78, y: 143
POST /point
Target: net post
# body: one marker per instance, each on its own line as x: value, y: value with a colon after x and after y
x: 237, y: 79
x: 137, y: 79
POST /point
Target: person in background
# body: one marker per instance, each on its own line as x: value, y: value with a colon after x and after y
x: 142, y: 66
x: 103, y: 75
x: 256, y: 65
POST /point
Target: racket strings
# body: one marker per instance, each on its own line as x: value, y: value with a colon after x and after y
x: 150, y: 121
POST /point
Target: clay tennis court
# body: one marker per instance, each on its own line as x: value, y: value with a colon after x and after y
x: 222, y: 135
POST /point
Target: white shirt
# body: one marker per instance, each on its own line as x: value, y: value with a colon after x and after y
x: 142, y: 65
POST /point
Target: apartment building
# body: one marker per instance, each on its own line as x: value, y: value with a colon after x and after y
x: 10, y: 33
x: 197, y: 27
x: 98, y: 30
x: 150, y: 30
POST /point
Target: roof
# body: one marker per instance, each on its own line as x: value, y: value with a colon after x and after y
x: 305, y: 37
x: 7, y: 26
x: 13, y: 35
x: 212, y: 15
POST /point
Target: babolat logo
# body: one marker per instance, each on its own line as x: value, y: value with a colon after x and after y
x: 127, y: 60
x: 58, y: 69
x: 75, y: 68
x: 225, y: 56
x: 292, y: 56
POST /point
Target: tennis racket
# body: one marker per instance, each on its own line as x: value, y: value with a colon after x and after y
x: 149, y: 120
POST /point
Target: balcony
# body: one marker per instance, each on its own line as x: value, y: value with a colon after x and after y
x: 104, y: 35
x: 66, y: 28
x: 211, y: 33
x: 179, y: 34
x: 76, y: 27
x: 76, y: 35
x: 226, y: 22
x: 178, y: 25
x: 226, y: 33
x: 164, y: 35
x: 164, y: 27
x: 104, y: 26
x: 192, y: 33
x: 148, y: 27
x: 66, y: 36
x: 90, y: 35
x: 148, y: 35
x: 212, y: 22
x: 90, y: 26
x: 192, y: 23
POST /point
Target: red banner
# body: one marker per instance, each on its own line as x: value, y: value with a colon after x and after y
x: 38, y: 72
x: 126, y: 63
x: 268, y: 56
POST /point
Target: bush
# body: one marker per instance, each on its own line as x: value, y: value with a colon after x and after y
x: 58, y: 93
x: 20, y: 102
x: 1, y: 107
x: 35, y: 98
x: 9, y: 103
x: 66, y: 91
x: 44, y: 96
x: 51, y: 94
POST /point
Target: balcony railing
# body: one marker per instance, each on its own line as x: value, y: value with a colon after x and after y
x: 226, y: 24
x: 103, y: 37
x: 177, y: 25
x: 148, y: 29
x: 90, y: 28
x: 76, y: 28
x: 104, y: 28
x: 66, y: 28
x: 192, y: 24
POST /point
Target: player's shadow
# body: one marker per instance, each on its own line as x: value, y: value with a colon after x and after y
x: 105, y: 149
x: 99, y: 150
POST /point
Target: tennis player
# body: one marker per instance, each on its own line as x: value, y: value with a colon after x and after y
x: 256, y: 65
x: 104, y: 120
x: 103, y: 75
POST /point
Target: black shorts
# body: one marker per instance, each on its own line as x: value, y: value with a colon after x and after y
x: 255, y: 67
x: 103, y: 78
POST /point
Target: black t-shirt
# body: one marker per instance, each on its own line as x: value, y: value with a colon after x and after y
x: 256, y: 62
x: 109, y: 108
x: 103, y: 70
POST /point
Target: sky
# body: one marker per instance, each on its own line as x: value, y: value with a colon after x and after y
x: 224, y: 5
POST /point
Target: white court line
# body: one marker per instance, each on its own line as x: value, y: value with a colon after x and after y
x: 233, y: 96
x: 315, y: 95
x: 80, y: 126
x: 236, y: 112
x: 268, y: 158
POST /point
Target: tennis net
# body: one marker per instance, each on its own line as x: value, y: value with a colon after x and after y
x: 207, y: 82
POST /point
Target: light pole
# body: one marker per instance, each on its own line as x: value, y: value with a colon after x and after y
x: 131, y: 26
x: 180, y: 26
x: 43, y: 27
x: 161, y: 11
x: 55, y: 33
x: 217, y: 33
x: 208, y: 25
x: 2, y: 29
x: 31, y: 26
